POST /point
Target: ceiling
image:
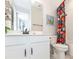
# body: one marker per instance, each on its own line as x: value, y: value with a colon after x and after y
x: 25, y: 5
x: 22, y: 5
x: 58, y: 2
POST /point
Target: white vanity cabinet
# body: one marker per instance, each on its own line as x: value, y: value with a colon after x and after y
x: 40, y: 50
x: 16, y: 47
x: 27, y: 47
x: 15, y: 52
x: 40, y: 47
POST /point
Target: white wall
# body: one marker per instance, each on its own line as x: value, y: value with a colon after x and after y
x: 69, y: 25
x: 49, y: 9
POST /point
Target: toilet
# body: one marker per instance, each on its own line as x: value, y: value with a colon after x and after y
x: 60, y: 50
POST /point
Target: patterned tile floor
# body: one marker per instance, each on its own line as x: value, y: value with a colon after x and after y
x: 67, y: 57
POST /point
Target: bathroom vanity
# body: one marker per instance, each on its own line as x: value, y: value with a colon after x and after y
x: 19, y: 43
x: 27, y: 47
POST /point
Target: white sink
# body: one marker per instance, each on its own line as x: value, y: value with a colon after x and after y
x: 14, y: 33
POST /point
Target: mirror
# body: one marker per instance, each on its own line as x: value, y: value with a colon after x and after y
x: 17, y: 15
x: 37, y: 17
x: 23, y: 16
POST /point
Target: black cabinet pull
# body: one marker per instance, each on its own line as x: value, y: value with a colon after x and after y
x: 25, y: 52
x: 31, y: 51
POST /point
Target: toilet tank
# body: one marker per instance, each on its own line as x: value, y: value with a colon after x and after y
x: 53, y: 39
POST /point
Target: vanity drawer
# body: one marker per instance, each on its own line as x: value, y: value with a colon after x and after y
x: 39, y: 38
x: 15, y: 40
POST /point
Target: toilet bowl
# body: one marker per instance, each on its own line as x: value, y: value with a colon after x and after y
x: 60, y: 50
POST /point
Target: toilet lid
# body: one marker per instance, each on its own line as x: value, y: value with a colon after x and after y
x: 61, y: 45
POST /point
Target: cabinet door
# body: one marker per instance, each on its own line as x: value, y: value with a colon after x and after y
x: 15, y: 52
x: 40, y: 50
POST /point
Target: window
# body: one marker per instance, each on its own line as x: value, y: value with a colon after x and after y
x: 22, y: 21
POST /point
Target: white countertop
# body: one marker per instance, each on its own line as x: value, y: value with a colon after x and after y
x: 28, y: 35
x: 32, y: 33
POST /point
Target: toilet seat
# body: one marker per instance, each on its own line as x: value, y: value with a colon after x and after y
x: 61, y: 46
